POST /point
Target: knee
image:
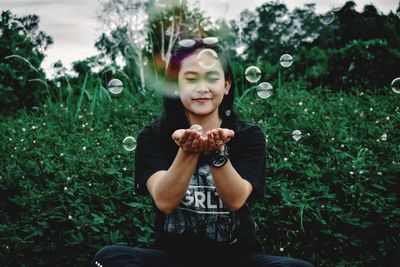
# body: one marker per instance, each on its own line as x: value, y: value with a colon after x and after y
x: 102, y: 255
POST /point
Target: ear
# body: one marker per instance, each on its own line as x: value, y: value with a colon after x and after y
x: 227, y: 86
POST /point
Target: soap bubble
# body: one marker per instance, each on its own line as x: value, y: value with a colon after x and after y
x: 129, y: 143
x: 264, y: 90
x: 296, y: 134
x: 197, y: 128
x: 115, y: 86
x: 253, y: 74
x: 286, y: 60
x: 327, y: 18
x: 207, y: 58
x: 396, y: 85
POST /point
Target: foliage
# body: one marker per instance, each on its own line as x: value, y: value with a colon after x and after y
x: 22, y: 82
x: 66, y: 185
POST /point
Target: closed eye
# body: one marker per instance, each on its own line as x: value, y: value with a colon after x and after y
x: 212, y: 79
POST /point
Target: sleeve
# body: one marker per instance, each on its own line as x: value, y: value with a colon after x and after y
x: 148, y: 158
x: 251, y: 164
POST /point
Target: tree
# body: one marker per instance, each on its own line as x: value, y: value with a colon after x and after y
x: 22, y: 81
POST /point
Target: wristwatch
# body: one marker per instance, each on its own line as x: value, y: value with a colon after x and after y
x: 219, y: 158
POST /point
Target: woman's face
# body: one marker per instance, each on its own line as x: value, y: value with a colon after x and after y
x: 202, y: 88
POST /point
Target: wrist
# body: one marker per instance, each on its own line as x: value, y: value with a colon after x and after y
x: 219, y: 157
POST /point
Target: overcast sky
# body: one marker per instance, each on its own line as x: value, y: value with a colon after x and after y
x: 74, y: 28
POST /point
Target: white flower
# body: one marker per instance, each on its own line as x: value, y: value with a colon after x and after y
x: 285, y: 159
x: 69, y: 217
x: 281, y: 249
x: 65, y: 188
x: 62, y: 154
x: 351, y: 173
x: 84, y: 148
x: 300, y: 103
x: 379, y: 173
x: 387, y: 118
x: 23, y: 129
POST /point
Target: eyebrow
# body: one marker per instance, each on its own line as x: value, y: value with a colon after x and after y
x: 213, y: 72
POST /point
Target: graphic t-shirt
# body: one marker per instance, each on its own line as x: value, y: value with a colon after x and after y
x: 201, y: 212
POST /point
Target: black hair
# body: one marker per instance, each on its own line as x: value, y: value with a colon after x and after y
x: 174, y: 116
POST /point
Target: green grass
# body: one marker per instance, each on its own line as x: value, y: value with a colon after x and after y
x: 66, y: 183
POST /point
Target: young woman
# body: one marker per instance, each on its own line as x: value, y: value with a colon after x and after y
x: 203, y: 168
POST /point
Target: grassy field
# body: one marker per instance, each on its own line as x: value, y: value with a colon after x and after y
x: 67, y: 185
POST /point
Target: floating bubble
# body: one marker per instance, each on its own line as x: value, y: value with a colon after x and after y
x: 327, y: 18
x: 264, y: 90
x: 115, y: 86
x: 197, y: 128
x: 286, y: 60
x: 296, y: 134
x: 129, y: 143
x: 207, y: 58
x: 253, y: 74
x: 396, y: 85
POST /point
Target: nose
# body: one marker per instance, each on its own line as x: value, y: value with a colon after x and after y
x: 202, y: 88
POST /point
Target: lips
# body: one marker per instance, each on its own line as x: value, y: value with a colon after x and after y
x: 201, y: 100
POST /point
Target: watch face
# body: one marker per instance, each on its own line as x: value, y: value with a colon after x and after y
x: 219, y: 160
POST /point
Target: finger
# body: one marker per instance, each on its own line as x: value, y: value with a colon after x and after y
x: 228, y: 133
x: 185, y: 136
x: 177, y: 134
x: 217, y: 139
x: 221, y: 135
x: 211, y: 141
x: 196, y: 141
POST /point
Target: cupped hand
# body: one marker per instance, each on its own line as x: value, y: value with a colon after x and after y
x: 188, y: 140
x: 216, y: 139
